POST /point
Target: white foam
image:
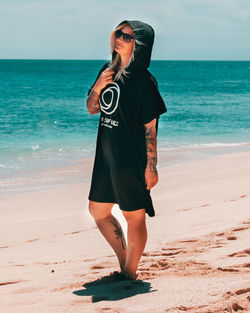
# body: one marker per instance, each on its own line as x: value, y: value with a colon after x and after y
x: 221, y: 144
x: 9, y: 166
x: 35, y: 147
x: 204, y: 145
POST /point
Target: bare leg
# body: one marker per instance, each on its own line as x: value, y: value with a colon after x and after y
x: 137, y: 238
x: 110, y: 228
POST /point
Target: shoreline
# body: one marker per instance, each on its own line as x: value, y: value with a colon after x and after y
x: 80, y: 170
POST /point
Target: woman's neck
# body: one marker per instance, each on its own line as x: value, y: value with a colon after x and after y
x: 124, y: 61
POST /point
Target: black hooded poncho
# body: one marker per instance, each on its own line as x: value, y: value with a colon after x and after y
x: 121, y: 156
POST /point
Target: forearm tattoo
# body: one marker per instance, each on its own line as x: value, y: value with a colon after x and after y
x: 93, y: 102
x: 119, y: 233
x: 151, y: 145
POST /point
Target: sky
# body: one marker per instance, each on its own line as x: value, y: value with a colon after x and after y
x: 80, y: 29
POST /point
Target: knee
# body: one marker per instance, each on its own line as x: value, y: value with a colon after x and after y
x: 98, y: 211
x: 135, y: 217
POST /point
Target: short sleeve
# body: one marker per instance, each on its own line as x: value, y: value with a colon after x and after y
x: 151, y: 102
x: 98, y: 75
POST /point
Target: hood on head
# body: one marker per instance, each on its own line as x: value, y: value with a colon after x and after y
x: 142, y: 53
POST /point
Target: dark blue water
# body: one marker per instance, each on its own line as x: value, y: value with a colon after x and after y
x: 44, y: 121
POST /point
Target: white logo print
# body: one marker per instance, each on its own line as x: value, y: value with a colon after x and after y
x: 110, y: 107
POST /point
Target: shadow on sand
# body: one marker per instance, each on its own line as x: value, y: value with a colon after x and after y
x: 116, y: 290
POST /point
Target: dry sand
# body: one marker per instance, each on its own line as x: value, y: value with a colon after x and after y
x: 197, y: 258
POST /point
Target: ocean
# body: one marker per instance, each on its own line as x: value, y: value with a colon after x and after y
x: 44, y: 121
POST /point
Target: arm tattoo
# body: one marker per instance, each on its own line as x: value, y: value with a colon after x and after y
x: 152, y: 162
x: 119, y: 233
x: 93, y: 102
x: 151, y: 145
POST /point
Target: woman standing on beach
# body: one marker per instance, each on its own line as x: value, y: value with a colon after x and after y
x: 126, y: 94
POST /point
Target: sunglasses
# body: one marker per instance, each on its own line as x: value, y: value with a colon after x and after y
x: 126, y: 37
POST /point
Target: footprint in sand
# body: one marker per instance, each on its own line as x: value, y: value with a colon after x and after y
x: 190, y: 240
x: 171, y: 253
x: 236, y: 307
x: 159, y: 253
x: 31, y: 240
x: 231, y: 237
x: 170, y: 249
x: 10, y: 282
x: 240, y: 291
x: 88, y: 260
x: 242, y: 253
x: 246, y: 222
x: 70, y: 286
x: 220, y: 234
x: 184, y: 308
x: 241, y: 197
x: 53, y: 263
x: 161, y: 265
x: 97, y: 267
x: 108, y: 310
x: 74, y: 232
x: 241, y: 267
x: 185, y: 209
x: 157, y: 265
x: 240, y: 228
x: 227, y: 269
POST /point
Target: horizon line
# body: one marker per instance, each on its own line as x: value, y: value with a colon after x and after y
x: 53, y: 59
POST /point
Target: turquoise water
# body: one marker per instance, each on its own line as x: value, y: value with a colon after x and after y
x: 44, y: 121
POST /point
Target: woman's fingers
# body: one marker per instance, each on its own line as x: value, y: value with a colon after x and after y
x: 108, y: 72
x: 109, y: 81
x: 107, y: 76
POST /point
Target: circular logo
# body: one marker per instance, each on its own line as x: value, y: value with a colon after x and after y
x: 110, y: 98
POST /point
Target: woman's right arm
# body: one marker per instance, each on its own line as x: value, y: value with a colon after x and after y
x: 105, y: 78
x: 93, y: 102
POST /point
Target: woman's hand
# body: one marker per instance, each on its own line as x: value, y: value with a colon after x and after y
x: 151, y: 177
x: 105, y: 78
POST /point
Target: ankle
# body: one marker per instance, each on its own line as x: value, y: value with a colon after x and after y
x: 122, y: 265
x: 130, y: 276
x: 129, y: 272
x: 130, y: 269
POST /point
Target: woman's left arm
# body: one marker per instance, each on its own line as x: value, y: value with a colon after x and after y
x: 151, y: 174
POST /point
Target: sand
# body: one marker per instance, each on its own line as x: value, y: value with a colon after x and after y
x: 197, y: 257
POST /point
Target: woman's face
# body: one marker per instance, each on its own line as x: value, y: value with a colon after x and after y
x: 122, y: 47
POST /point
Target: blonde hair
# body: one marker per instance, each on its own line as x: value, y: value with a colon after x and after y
x: 116, y: 58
